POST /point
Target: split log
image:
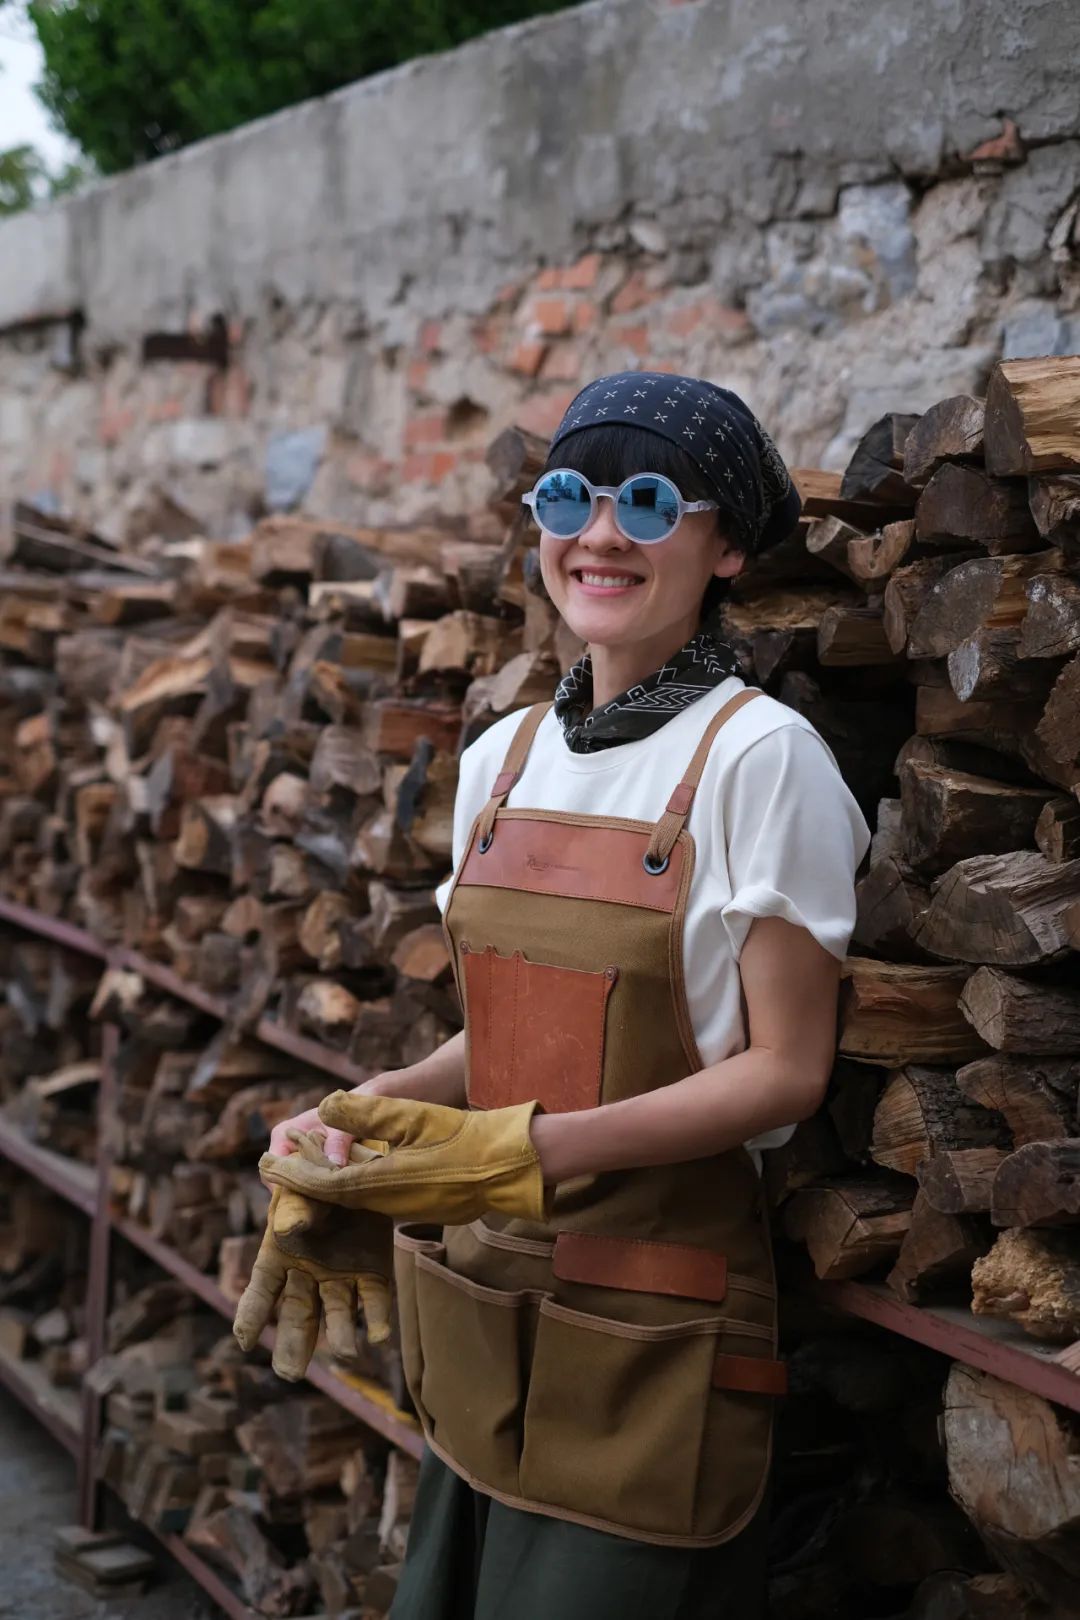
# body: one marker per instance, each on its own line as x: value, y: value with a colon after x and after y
x: 1002, y: 910
x: 1051, y: 627
x: 906, y: 592
x: 850, y: 1226
x: 997, y: 1435
x: 821, y: 497
x: 1057, y: 831
x: 875, y: 471
x: 922, y: 1112
x: 1014, y: 1015
x: 873, y: 558
x: 1033, y: 417
x: 937, y: 1248
x: 963, y: 505
x: 852, y: 636
x: 988, y: 723
x: 1033, y: 1278
x: 1038, y: 1185
x: 787, y: 609
x: 889, y: 903
x: 1037, y: 1097
x: 894, y: 1013
x: 947, y: 815
x: 1055, y: 507
x: 987, y: 666
x: 983, y: 593
x: 828, y: 540
x: 952, y: 430
x: 959, y: 1181
x: 1059, y: 726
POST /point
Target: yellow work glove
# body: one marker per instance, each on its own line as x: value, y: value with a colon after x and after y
x: 316, y: 1261
x: 445, y: 1165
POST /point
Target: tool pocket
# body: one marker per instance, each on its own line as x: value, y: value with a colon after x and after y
x: 409, y: 1241
x: 615, y: 1418
x: 534, y: 1030
x: 472, y: 1390
x: 735, y: 1455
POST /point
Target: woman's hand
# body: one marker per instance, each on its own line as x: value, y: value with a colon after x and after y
x: 439, y: 1078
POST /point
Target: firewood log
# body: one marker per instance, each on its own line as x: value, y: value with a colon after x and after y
x: 936, y: 1248
x: 1002, y: 910
x: 1038, y: 1185
x: 1013, y: 1015
x: 1059, y: 726
x: 959, y: 1181
x: 1033, y: 417
x: 996, y: 1433
x: 889, y: 903
x: 952, y: 430
x: 851, y: 1225
x: 1055, y: 507
x: 984, y: 593
x: 922, y: 1112
x: 1032, y: 1277
x: 987, y: 665
x: 821, y: 497
x: 907, y: 591
x: 895, y: 1013
x: 947, y: 815
x: 828, y: 539
x: 852, y: 636
x: 1057, y: 831
x: 204, y: 843
x: 964, y: 505
x: 875, y: 471
x: 1051, y: 627
x: 873, y: 558
x: 1037, y: 1097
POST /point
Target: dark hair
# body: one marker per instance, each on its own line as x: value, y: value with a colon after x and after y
x: 607, y: 454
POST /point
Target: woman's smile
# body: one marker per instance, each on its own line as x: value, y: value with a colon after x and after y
x: 605, y: 581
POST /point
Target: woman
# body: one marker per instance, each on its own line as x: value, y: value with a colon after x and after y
x: 652, y: 894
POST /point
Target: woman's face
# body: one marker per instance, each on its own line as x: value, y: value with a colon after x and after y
x: 612, y: 591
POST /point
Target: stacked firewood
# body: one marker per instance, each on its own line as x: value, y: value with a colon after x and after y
x: 50, y: 1062
x: 299, y: 1504
x: 43, y: 1261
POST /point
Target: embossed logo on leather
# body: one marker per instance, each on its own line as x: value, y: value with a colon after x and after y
x: 538, y: 864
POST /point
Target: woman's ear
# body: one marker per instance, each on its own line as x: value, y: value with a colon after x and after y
x: 730, y: 560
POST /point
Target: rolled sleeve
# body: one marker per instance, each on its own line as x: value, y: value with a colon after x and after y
x: 794, y: 839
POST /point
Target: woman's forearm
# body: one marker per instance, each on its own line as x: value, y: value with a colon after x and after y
x: 438, y: 1078
x: 709, y: 1112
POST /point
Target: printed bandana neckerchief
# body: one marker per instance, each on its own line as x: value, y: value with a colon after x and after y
x: 697, y: 668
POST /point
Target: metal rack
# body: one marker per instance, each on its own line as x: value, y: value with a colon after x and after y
x: 994, y: 1347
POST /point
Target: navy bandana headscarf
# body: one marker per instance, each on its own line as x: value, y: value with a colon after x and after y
x: 743, y: 467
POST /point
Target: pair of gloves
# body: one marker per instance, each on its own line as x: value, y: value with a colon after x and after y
x: 328, y: 1246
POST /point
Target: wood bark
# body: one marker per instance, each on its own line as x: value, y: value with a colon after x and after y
x: 952, y: 430
x: 1038, y: 1185
x: 1016, y: 1015
x: 1032, y: 417
x: 964, y: 505
x: 922, y: 1112
x: 1002, y: 910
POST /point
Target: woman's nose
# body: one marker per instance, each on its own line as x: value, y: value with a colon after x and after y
x: 603, y: 532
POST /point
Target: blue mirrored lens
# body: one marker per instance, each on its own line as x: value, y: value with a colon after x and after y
x: 562, y: 504
x: 648, y: 508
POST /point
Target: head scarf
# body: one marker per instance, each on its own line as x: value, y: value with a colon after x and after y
x: 715, y: 428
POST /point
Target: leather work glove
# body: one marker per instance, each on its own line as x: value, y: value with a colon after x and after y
x: 445, y: 1165
x: 316, y: 1261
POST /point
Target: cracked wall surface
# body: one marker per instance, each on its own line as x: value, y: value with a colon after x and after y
x: 837, y: 210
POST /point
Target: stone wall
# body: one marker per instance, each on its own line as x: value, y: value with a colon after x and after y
x: 836, y: 209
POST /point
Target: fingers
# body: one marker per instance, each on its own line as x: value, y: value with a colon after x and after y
x: 298, y: 1326
x: 337, y: 1146
x: 396, y: 1120
x: 280, y: 1142
x: 294, y: 1215
x: 375, y: 1296
x: 257, y: 1301
x: 339, y: 1308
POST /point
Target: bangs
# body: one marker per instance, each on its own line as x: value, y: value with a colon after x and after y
x: 607, y: 454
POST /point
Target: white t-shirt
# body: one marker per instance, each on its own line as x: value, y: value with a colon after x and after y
x: 777, y: 834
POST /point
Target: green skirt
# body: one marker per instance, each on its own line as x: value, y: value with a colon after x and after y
x: 471, y: 1558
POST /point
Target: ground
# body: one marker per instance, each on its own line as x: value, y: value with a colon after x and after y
x: 37, y: 1494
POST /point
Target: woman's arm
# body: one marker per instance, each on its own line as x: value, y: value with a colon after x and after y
x: 790, y: 984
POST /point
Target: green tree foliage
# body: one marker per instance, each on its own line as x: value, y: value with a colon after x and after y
x: 21, y: 174
x: 130, y: 79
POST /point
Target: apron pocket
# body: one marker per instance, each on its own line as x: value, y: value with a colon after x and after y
x: 534, y: 1030
x: 615, y: 1418
x: 472, y: 1386
x: 738, y: 1430
x: 409, y: 1241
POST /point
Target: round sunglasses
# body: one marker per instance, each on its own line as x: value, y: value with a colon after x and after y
x: 648, y: 507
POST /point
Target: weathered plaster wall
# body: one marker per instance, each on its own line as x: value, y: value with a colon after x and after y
x: 799, y: 201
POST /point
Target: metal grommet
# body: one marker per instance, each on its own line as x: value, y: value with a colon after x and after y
x: 654, y: 871
x: 483, y: 844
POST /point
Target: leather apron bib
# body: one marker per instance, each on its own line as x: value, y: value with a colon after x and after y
x: 617, y: 1365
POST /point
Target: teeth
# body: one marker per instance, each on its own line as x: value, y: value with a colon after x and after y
x: 606, y: 579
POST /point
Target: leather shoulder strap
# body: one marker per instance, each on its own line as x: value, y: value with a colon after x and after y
x: 670, y: 824
x: 513, y: 764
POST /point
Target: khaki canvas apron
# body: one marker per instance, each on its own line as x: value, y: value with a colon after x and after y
x: 616, y: 1366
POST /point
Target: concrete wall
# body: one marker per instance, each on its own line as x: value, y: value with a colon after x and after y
x: 836, y: 208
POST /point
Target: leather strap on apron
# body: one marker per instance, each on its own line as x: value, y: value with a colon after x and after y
x: 512, y: 768
x: 671, y: 822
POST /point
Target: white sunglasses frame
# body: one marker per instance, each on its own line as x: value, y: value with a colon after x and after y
x: 613, y: 491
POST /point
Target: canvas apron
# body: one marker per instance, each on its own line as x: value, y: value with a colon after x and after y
x: 615, y: 1366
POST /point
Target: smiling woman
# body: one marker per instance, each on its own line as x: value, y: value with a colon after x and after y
x: 653, y: 889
